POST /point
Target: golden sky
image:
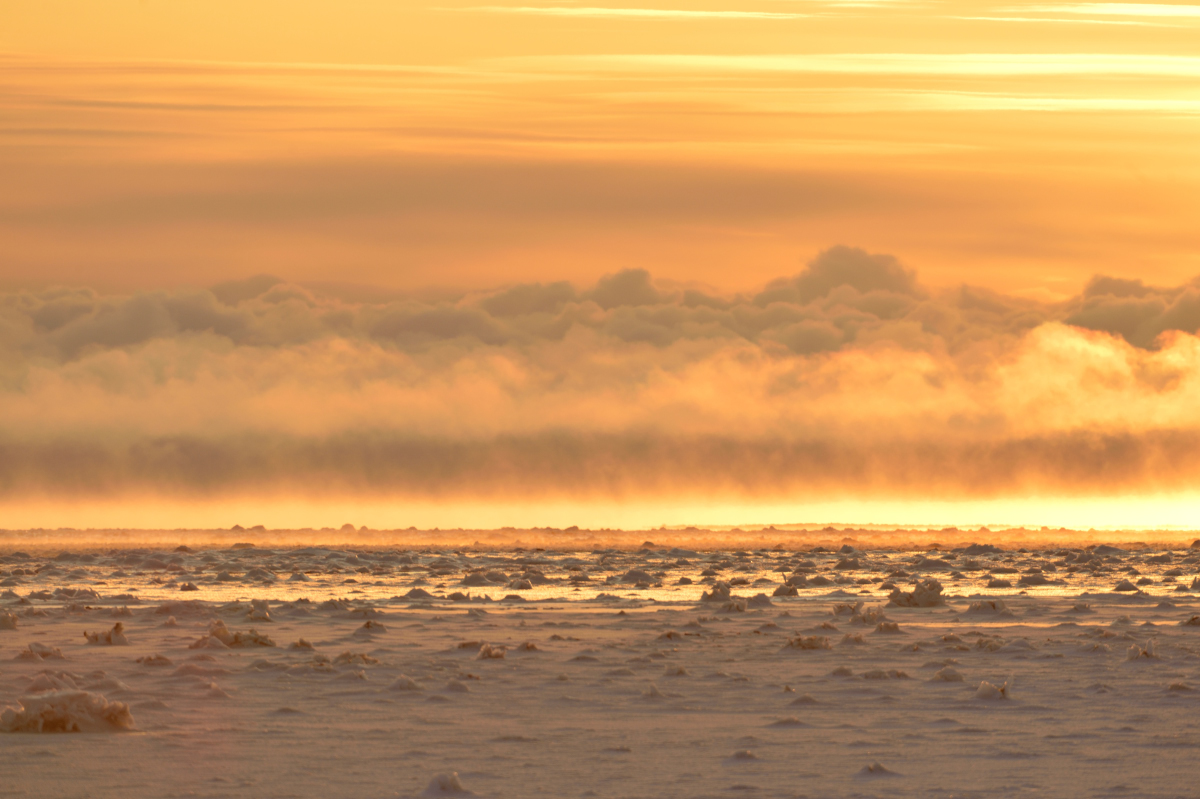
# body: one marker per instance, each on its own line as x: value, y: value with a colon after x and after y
x: 532, y: 255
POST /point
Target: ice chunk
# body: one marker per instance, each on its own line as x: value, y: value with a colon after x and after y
x: 114, y: 637
x: 988, y: 691
x: 489, y: 652
x: 1149, y: 651
x: 446, y: 785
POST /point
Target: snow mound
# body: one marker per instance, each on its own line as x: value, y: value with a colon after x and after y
x: 719, y: 593
x: 67, y: 711
x: 36, y: 651
x: 53, y: 681
x: 370, y: 628
x: 114, y: 637
x: 8, y: 621
x: 809, y: 642
x: 948, y: 674
x: 154, y: 660
x: 404, y: 683
x: 925, y: 594
x: 189, y: 607
x: 982, y: 549
x: 990, y: 607
x: 788, y: 721
x: 446, y: 785
x: 875, y: 771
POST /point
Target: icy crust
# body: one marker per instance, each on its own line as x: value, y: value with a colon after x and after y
x: 734, y: 581
x: 629, y: 686
x: 67, y: 711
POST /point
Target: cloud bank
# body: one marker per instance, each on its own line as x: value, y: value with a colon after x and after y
x: 850, y: 378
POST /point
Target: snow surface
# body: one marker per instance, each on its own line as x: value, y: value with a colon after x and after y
x: 386, y: 674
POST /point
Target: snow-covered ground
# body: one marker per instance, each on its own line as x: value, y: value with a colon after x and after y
x: 651, y: 672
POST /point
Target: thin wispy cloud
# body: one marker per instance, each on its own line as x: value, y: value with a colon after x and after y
x: 1122, y: 10
x: 1061, y: 21
x: 598, y: 12
x: 930, y: 64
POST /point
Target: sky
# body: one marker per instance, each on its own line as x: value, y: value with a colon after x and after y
x: 598, y: 263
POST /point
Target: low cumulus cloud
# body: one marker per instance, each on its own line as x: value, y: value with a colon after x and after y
x: 849, y: 378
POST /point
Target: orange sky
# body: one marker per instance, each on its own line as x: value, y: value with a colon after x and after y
x: 398, y: 165
x: 404, y: 144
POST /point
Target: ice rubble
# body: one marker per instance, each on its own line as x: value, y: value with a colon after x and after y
x: 219, y: 637
x: 114, y: 637
x: 66, y: 711
x: 926, y: 593
x: 719, y: 593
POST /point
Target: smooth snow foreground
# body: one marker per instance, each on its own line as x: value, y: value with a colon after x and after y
x: 913, y: 684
